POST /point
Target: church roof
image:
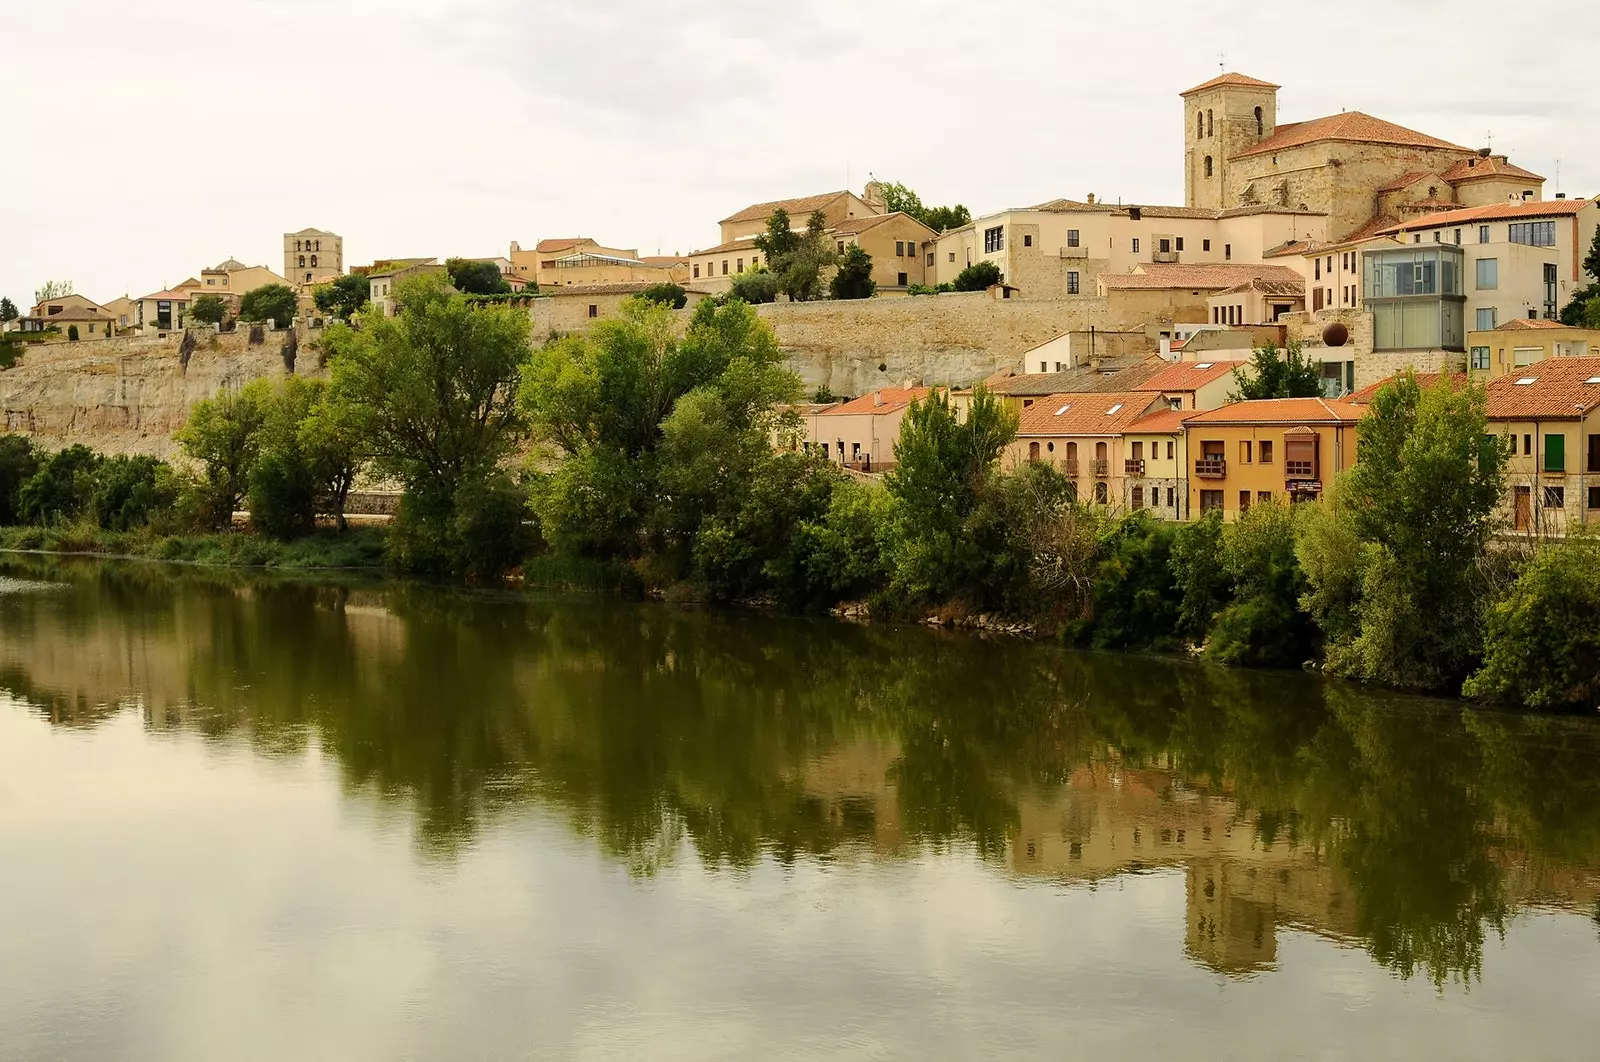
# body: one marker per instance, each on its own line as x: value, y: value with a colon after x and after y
x: 1351, y: 126
x: 1492, y: 166
x: 1230, y: 80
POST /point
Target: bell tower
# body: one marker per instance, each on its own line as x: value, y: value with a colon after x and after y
x: 1226, y: 115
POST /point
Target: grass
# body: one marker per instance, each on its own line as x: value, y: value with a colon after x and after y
x: 582, y: 574
x: 356, y: 548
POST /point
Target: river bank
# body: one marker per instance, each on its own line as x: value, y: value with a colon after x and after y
x: 359, y: 549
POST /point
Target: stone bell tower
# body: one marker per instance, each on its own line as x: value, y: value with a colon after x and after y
x: 1226, y: 115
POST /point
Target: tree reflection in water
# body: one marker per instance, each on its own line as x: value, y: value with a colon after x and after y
x: 1409, y: 826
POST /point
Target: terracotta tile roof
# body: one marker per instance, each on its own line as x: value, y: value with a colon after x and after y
x: 1432, y: 204
x: 1189, y: 375
x: 1523, y: 324
x: 1493, y: 166
x: 1425, y: 380
x: 1292, y: 248
x: 1114, y: 374
x: 1560, y: 388
x: 1267, y: 208
x: 1104, y: 413
x: 1161, y: 422
x: 560, y: 244
x: 799, y: 209
x: 312, y: 232
x: 1281, y: 411
x: 1351, y: 126
x: 862, y: 224
x: 632, y: 287
x: 1547, y: 208
x: 1072, y: 206
x: 744, y: 243
x: 1236, y: 80
x: 664, y: 259
x: 1278, y: 288
x: 1202, y: 213
x: 75, y: 313
x: 1215, y: 276
x: 167, y: 296
x: 883, y: 400
x: 1405, y: 180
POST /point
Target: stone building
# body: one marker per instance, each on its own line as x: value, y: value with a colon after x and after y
x: 578, y: 261
x: 312, y: 256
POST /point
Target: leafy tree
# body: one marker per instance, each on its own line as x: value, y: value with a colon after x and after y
x: 343, y: 297
x: 223, y: 435
x: 824, y: 396
x: 434, y: 389
x: 270, y: 302
x: 841, y: 550
x: 19, y: 460
x: 854, y: 277
x: 61, y: 488
x: 1543, y: 638
x: 1277, y: 374
x: 1135, y: 595
x: 72, y: 333
x: 209, y: 309
x: 475, y: 278
x: 1583, y: 309
x: 1334, y: 559
x: 979, y: 276
x: 52, y: 289
x: 757, y: 286
x: 797, y: 259
x: 897, y: 197
x: 332, y: 440
x: 283, y: 490
x: 128, y: 492
x: 8, y: 310
x: 670, y: 295
x: 946, y: 218
x: 1263, y: 625
x: 1201, y: 578
x: 779, y: 242
x: 1424, y: 494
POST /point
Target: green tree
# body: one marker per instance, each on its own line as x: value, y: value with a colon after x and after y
x: 797, y: 259
x: 343, y: 297
x: 1543, y: 638
x: 854, y: 277
x: 897, y: 197
x: 52, y: 289
x: 8, y: 310
x: 19, y: 460
x: 1202, y: 580
x: 780, y: 240
x: 1424, y: 494
x: 841, y: 550
x: 283, y: 490
x: 128, y: 492
x: 72, y: 333
x: 1272, y: 373
x: 979, y: 276
x: 755, y: 286
x: 332, y: 438
x: 1334, y: 559
x: 670, y: 295
x: 209, y: 309
x: 223, y: 434
x: 1263, y: 625
x: 1136, y: 602
x: 475, y: 278
x: 946, y: 218
x: 434, y: 389
x: 61, y: 488
x: 270, y: 302
x: 1583, y: 309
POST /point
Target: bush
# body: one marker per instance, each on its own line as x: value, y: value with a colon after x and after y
x: 490, y: 531
x: 208, y: 309
x: 842, y: 559
x: 1264, y: 626
x: 670, y: 295
x: 18, y: 462
x: 61, y: 488
x: 282, y: 495
x: 755, y: 287
x: 1543, y: 638
x: 270, y: 302
x: 129, y: 491
x: 1202, y: 580
x: 979, y: 276
x: 853, y: 280
x: 1135, y: 595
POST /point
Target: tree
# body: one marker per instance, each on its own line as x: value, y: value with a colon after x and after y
x: 223, y: 434
x: 854, y: 278
x: 1135, y: 595
x: 797, y: 259
x: 979, y: 276
x: 61, y: 488
x: 943, y: 219
x: 8, y: 310
x: 270, y: 302
x: 72, y: 333
x: 128, y: 492
x: 779, y: 241
x: 18, y: 462
x: 1263, y: 625
x: 343, y: 297
x: 332, y: 440
x: 1202, y: 580
x: 208, y: 309
x: 897, y: 197
x: 1424, y: 494
x: 52, y: 289
x: 283, y: 491
x: 1543, y: 638
x: 1583, y: 309
x: 475, y: 278
x: 1275, y: 374
x: 671, y: 296
x: 434, y: 389
x: 756, y: 286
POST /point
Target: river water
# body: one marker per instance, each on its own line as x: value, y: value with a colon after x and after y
x: 247, y: 818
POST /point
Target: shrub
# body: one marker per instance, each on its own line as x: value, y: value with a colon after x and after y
x: 671, y: 295
x: 18, y: 462
x: 842, y: 559
x: 1202, y: 580
x: 129, y: 491
x: 61, y: 488
x: 853, y: 280
x: 224, y: 435
x: 978, y: 276
x: 1264, y: 626
x: 1135, y: 595
x: 270, y: 302
x: 282, y: 495
x: 755, y: 287
x: 208, y: 309
x: 1543, y: 638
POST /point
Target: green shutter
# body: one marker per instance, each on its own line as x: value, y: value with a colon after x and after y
x: 1555, y: 453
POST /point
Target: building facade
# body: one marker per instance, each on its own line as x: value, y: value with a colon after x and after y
x: 312, y: 257
x: 1273, y: 449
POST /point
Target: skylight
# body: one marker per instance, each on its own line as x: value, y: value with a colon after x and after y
x: 1205, y: 365
x: 1526, y: 380
x: 1113, y: 409
x: 1593, y: 380
x: 1063, y: 409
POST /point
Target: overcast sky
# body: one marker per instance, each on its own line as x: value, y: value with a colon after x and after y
x: 149, y: 138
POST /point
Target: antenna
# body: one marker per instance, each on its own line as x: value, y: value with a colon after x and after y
x: 1558, y: 175
x: 1489, y: 136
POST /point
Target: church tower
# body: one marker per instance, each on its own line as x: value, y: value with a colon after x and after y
x: 1221, y: 118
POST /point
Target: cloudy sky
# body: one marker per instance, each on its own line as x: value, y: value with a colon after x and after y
x: 156, y: 137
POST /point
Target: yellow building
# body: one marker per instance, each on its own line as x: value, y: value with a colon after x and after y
x: 1550, y: 413
x: 1518, y: 344
x: 311, y: 257
x: 1196, y: 385
x: 165, y: 310
x: 837, y: 207
x: 1178, y: 293
x: 581, y: 262
x: 1268, y: 449
x: 384, y: 275
x: 233, y: 277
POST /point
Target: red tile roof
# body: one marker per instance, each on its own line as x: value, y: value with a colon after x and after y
x: 1405, y: 180
x: 1493, y: 166
x: 1375, y: 224
x: 883, y: 400
x: 1351, y: 126
x: 167, y: 296
x: 1094, y: 413
x: 1547, y: 208
x: 1281, y: 411
x: 798, y: 209
x: 1230, y: 79
x: 1161, y: 422
x: 1560, y: 388
x: 1524, y: 324
x: 560, y: 244
x: 1212, y: 275
x: 1189, y: 375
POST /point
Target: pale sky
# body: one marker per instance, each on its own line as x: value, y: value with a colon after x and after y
x: 147, y: 139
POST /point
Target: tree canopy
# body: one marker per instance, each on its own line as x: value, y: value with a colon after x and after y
x: 898, y: 197
x: 209, y: 309
x: 1277, y: 374
x: 52, y: 289
x: 978, y: 276
x: 270, y: 302
x: 797, y: 259
x: 853, y: 280
x: 8, y: 310
x: 343, y: 297
x: 475, y: 278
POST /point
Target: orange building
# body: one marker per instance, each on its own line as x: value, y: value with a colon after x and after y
x: 1268, y: 449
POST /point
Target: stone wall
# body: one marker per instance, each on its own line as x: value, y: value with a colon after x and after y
x: 1371, y: 366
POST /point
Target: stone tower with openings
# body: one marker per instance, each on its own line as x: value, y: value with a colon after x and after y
x: 1221, y: 118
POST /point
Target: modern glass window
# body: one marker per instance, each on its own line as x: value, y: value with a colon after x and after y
x: 1486, y: 318
x: 1480, y: 358
x: 1488, y: 274
x: 994, y: 239
x: 1533, y: 233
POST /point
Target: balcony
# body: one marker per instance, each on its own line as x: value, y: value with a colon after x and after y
x: 1299, y: 470
x: 1211, y: 467
x: 1133, y: 466
x: 1074, y: 252
x: 1070, y: 466
x: 1163, y: 256
x: 1101, y: 469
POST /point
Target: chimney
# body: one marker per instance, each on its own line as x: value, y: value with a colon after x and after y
x: 877, y: 398
x: 1561, y: 195
x: 1166, y: 348
x: 1091, y: 199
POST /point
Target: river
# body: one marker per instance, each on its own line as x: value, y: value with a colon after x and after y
x: 261, y: 818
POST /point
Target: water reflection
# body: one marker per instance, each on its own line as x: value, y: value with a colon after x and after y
x: 1406, y: 827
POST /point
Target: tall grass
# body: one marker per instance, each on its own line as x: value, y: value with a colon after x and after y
x: 361, y: 548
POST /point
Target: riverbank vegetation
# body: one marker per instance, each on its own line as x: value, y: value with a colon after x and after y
x: 634, y: 456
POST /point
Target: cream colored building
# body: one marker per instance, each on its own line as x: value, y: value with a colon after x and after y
x: 837, y: 208
x: 385, y: 275
x: 1084, y: 435
x: 233, y: 277
x: 1196, y: 386
x: 862, y: 434
x: 1550, y: 414
x: 165, y: 310
x: 1258, y: 301
x: 1173, y: 293
x: 896, y: 243
x: 311, y: 257
x: 581, y: 262
x: 1515, y: 345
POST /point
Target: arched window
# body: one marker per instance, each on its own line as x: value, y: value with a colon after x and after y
x: 313, y: 260
x: 1033, y: 451
x: 1199, y: 125
x: 1208, y: 165
x: 1433, y: 190
x: 1099, y: 451
x: 303, y: 257
x: 318, y: 246
x: 1211, y: 123
x: 1100, y: 493
x: 1261, y: 126
x: 1072, y: 454
x: 297, y: 245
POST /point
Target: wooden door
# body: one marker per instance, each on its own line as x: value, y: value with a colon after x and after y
x: 1523, y: 516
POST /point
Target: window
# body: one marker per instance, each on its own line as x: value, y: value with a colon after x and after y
x: 1199, y: 125
x: 1027, y: 240
x: 313, y: 261
x: 1208, y: 165
x: 952, y: 256
x: 1180, y: 243
x: 1138, y: 498
x: 1209, y: 500
x: 841, y: 246
x: 1072, y: 237
x: 994, y: 239
x: 1244, y: 451
x: 1480, y: 358
x: 739, y: 265
x: 1555, y: 498
x: 302, y: 261
x: 297, y: 245
x: 1263, y: 497
x: 1488, y: 277
x: 1169, y: 449
x: 1261, y: 124
x: 1555, y: 453
x: 594, y: 310
x: 1072, y: 282
x: 902, y: 279
x: 1458, y: 237
x: 1549, y: 289
x: 1483, y: 234
x: 899, y: 248
x: 1266, y: 451
x: 697, y: 270
x: 1533, y: 233
x: 1316, y: 269
x: 1101, y: 493
x: 1138, y: 451
x: 1205, y: 245
x: 1172, y: 497
x: 1227, y: 252
x: 1136, y: 245
x: 317, y: 246
x: 930, y: 260
x: 1527, y: 445
x: 724, y: 267
x: 1485, y: 318
x: 1211, y: 126
x: 1244, y: 501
